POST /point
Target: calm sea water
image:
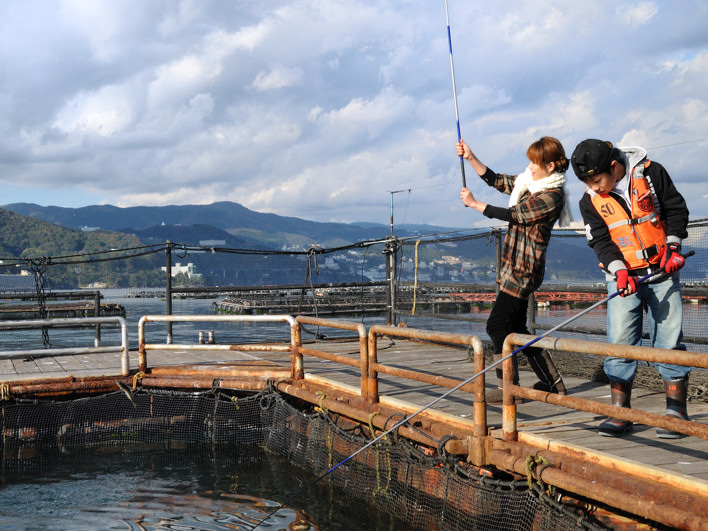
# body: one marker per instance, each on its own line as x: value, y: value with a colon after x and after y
x: 193, y: 488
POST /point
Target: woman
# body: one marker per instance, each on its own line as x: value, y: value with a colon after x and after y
x: 537, y: 201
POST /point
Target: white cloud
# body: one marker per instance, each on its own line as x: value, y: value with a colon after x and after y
x: 163, y: 102
x: 105, y: 112
x: 368, y: 117
x: 278, y: 77
x: 99, y: 22
x: 637, y: 14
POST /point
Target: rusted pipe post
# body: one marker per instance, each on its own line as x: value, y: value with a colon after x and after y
x: 297, y: 369
x: 168, y: 288
x: 480, y: 405
x: 364, y: 363
x: 97, y: 313
x: 372, y: 381
x: 509, y: 432
x: 125, y: 351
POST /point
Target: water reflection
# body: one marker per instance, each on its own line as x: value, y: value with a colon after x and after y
x: 196, y: 487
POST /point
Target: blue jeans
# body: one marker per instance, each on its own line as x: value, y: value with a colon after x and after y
x: 664, y: 318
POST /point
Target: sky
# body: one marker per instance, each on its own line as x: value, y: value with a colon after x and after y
x: 335, y: 111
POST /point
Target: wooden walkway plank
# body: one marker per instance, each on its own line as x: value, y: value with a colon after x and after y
x: 25, y: 366
x: 69, y: 363
x: 49, y: 365
x: 6, y: 368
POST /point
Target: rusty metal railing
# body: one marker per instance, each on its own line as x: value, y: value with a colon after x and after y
x: 359, y: 328
x: 370, y: 367
x: 677, y: 357
x: 66, y: 323
x: 143, y: 347
x: 476, y: 387
x: 367, y: 362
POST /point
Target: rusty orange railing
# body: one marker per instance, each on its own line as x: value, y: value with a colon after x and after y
x: 649, y: 354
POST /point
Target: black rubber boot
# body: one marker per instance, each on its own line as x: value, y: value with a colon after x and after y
x: 621, y: 396
x: 546, y: 371
x: 676, y: 392
x: 494, y: 396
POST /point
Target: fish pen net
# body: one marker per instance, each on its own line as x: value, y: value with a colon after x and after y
x: 422, y: 487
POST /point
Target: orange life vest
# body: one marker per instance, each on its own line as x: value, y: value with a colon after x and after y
x: 641, y: 237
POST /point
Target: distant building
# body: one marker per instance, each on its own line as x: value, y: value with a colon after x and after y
x: 190, y: 270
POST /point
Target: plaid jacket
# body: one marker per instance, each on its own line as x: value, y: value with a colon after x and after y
x: 523, y: 260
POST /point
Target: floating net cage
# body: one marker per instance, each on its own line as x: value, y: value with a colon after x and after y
x: 421, y: 487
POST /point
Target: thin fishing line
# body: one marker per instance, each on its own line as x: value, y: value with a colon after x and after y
x: 679, y: 143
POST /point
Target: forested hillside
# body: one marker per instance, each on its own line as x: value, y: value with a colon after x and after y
x: 78, y: 258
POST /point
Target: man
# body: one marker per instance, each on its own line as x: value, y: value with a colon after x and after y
x: 635, y: 221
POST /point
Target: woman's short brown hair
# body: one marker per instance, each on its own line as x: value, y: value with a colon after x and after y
x: 547, y: 150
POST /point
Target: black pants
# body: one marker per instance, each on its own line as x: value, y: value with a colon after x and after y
x: 508, y: 316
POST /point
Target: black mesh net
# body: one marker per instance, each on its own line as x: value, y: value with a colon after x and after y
x: 419, y: 487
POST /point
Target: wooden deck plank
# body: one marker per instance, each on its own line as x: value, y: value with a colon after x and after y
x: 25, y: 366
x: 69, y: 363
x: 49, y: 365
x: 6, y: 368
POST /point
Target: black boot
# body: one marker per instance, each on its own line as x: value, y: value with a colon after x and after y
x: 676, y: 392
x: 546, y: 371
x: 495, y: 396
x: 621, y: 395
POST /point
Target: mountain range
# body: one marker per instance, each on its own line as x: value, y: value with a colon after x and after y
x: 84, y: 244
x: 225, y: 220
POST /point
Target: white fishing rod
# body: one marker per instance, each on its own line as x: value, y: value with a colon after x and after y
x: 454, y: 95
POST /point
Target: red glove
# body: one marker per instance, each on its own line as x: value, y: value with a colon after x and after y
x: 625, y: 283
x: 671, y: 260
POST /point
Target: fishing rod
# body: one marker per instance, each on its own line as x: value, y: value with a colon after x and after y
x: 458, y: 386
x: 454, y: 95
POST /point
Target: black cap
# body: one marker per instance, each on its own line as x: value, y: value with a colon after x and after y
x: 591, y: 157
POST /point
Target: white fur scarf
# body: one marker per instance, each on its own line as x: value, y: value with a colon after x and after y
x: 524, y: 182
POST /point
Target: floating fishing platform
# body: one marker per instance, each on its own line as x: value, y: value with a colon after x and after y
x: 375, y: 300
x: 384, y: 374
x: 71, y: 304
x: 10, y: 312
